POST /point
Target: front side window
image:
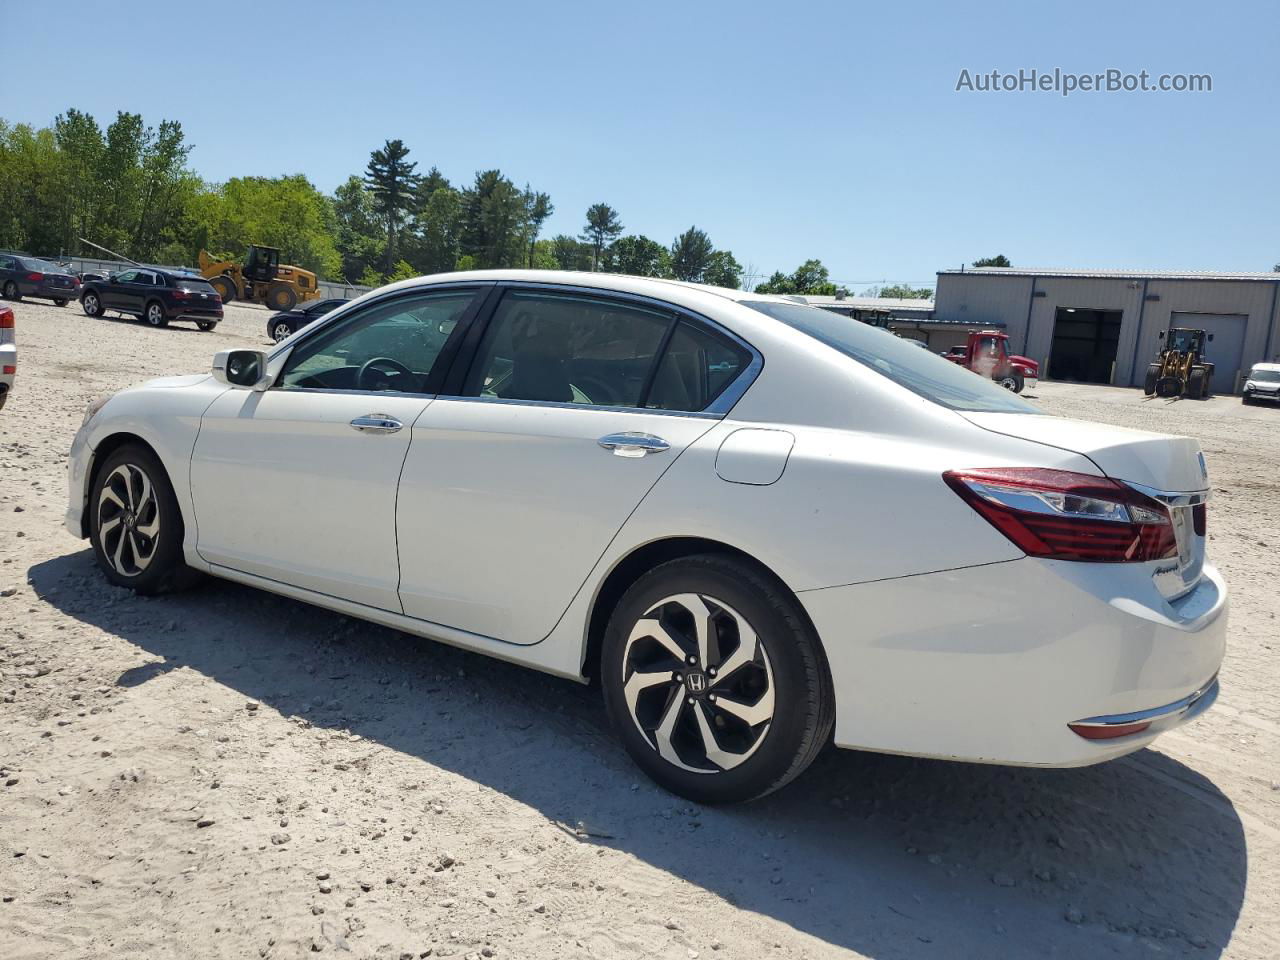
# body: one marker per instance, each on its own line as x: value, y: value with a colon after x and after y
x: 919, y: 371
x: 567, y: 348
x: 386, y: 346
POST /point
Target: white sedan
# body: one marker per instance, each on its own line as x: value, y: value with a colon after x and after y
x: 762, y: 527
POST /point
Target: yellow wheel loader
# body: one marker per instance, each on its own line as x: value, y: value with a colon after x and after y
x: 1180, y: 370
x: 262, y: 279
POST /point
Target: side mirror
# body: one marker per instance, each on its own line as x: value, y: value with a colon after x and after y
x: 1211, y: 336
x: 1161, y: 334
x: 246, y: 369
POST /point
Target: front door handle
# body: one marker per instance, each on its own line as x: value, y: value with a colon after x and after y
x: 633, y: 444
x: 376, y: 423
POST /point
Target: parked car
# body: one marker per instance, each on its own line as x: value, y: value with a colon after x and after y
x: 1263, y: 383
x: 157, y: 296
x: 760, y: 527
x: 8, y: 354
x: 23, y: 276
x: 282, y: 325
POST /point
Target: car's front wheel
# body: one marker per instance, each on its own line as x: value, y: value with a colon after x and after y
x: 135, y: 526
x: 715, y: 681
x: 281, y: 331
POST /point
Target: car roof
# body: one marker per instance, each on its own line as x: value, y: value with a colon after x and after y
x: 1266, y: 366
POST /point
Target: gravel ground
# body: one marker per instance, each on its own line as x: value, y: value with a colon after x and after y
x: 227, y: 773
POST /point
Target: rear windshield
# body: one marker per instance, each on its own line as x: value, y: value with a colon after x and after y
x: 920, y: 371
x: 192, y: 285
x: 44, y: 266
x: 1265, y: 376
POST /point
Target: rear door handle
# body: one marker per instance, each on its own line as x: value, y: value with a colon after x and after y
x: 376, y: 423
x: 633, y: 444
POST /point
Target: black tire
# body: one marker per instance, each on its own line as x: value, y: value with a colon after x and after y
x: 60, y: 303
x: 281, y: 296
x: 280, y: 330
x: 1013, y: 380
x: 226, y: 289
x: 91, y: 303
x: 1170, y: 386
x: 164, y: 568
x: 206, y: 325
x: 11, y: 291
x: 1197, y: 384
x: 1149, y: 384
x: 792, y: 668
x: 154, y: 314
x: 1247, y: 400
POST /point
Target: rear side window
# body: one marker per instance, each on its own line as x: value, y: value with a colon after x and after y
x: 566, y: 348
x: 920, y: 371
x: 695, y: 369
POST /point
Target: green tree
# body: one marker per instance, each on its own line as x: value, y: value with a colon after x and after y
x: 1000, y: 260
x: 359, y: 236
x: 391, y: 180
x: 638, y: 256
x: 810, y: 278
x: 723, y: 270
x: 539, y: 207
x: 690, y: 255
x: 570, y: 254
x: 904, y: 291
x: 493, y: 221
x: 602, y: 228
x: 436, y: 230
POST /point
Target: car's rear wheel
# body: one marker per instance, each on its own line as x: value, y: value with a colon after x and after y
x: 154, y: 315
x: 206, y: 325
x: 11, y: 291
x: 91, y: 305
x: 60, y: 303
x: 135, y: 526
x: 281, y: 330
x: 715, y: 681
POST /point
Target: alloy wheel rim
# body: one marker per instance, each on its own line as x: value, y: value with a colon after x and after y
x: 282, y: 332
x: 128, y: 520
x: 698, y: 683
x: 91, y: 303
x: 153, y: 315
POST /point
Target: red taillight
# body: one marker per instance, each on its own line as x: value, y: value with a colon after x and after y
x: 1102, y: 732
x: 6, y: 318
x: 9, y: 368
x: 35, y: 277
x: 182, y: 294
x: 1068, y: 516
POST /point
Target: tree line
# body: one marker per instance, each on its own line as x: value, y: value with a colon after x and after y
x: 130, y: 187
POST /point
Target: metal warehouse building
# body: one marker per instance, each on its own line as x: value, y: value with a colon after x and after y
x: 1104, y: 326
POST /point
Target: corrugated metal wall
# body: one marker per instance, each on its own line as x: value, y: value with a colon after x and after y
x: 983, y: 298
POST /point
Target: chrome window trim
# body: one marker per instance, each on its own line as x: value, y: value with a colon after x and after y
x: 568, y: 405
x: 359, y: 393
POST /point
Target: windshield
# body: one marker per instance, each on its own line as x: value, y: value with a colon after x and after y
x: 1265, y: 376
x: 919, y: 371
x: 192, y: 285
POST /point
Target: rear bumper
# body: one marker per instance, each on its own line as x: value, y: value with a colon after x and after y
x: 991, y: 663
x: 188, y: 314
x: 44, y: 291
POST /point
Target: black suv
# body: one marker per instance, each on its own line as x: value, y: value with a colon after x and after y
x: 156, y: 296
x: 23, y: 276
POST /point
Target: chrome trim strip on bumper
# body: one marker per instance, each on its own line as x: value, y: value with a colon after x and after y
x: 1187, y: 708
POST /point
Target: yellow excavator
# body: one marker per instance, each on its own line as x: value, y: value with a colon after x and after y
x: 262, y: 279
x: 1180, y: 370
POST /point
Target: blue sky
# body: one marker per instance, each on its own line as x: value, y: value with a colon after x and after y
x: 787, y: 131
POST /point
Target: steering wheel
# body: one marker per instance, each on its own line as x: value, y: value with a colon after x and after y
x: 364, y: 379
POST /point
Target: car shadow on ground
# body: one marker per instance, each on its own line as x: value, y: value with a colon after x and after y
x: 889, y: 856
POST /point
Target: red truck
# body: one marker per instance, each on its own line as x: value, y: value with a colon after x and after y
x: 986, y: 352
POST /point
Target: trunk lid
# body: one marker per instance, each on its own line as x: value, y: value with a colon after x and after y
x: 1156, y: 460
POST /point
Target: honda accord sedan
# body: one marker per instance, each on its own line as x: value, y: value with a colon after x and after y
x: 760, y: 526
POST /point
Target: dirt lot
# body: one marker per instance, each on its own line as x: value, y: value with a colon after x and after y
x: 231, y: 774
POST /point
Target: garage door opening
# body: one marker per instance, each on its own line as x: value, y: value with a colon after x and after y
x: 1084, y: 344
